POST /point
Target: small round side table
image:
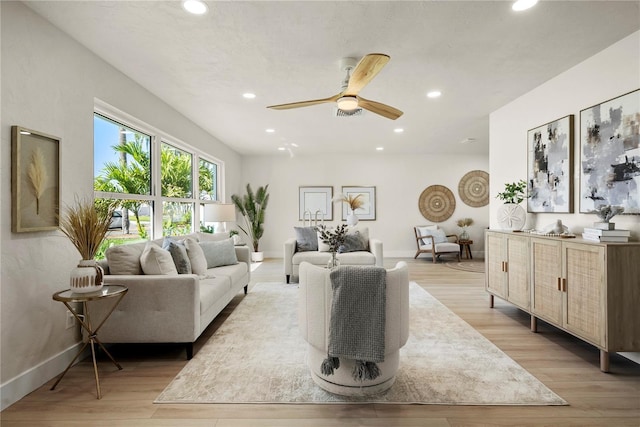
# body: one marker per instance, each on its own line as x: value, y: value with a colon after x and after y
x: 465, y: 246
x: 66, y: 297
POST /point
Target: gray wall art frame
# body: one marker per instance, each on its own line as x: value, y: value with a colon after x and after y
x: 610, y: 154
x: 550, y: 166
x: 35, y: 180
x: 315, y: 199
x: 367, y: 212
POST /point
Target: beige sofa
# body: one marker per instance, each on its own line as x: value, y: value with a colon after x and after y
x: 169, y: 308
x: 293, y: 256
x: 314, y: 314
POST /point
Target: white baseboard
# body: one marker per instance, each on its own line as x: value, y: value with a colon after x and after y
x: 16, y: 388
x: 387, y: 254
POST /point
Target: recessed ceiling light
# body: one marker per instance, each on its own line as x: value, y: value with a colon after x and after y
x: 249, y: 95
x: 434, y: 94
x: 281, y: 148
x: 398, y: 130
x: 379, y: 148
x: 197, y: 7
x: 269, y: 130
x: 293, y: 144
x: 523, y: 5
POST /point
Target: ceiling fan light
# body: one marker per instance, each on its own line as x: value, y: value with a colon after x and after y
x: 197, y: 7
x: 521, y: 5
x: 347, y: 103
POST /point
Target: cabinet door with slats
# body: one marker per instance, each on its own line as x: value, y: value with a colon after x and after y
x: 517, y: 268
x: 546, y: 274
x: 495, y: 258
x: 584, y: 293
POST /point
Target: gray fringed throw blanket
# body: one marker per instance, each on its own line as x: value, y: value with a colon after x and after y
x: 356, y: 327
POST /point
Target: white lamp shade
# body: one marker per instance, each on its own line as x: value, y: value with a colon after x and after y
x: 219, y: 212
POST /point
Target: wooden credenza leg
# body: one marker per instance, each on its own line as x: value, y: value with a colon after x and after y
x: 604, y: 361
x: 490, y: 301
x: 534, y: 324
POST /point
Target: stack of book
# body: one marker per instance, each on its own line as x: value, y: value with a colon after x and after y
x: 599, y: 235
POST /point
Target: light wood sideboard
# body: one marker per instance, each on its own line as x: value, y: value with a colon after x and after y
x: 588, y: 289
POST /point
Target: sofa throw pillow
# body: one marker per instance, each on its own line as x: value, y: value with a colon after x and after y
x: 124, y: 259
x: 306, y: 239
x: 354, y: 241
x: 439, y: 236
x: 155, y: 260
x: 196, y: 256
x: 178, y: 253
x: 219, y: 253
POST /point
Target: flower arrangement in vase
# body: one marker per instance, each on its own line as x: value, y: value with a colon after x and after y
x: 354, y: 202
x: 86, y: 224
x: 334, y: 238
x: 464, y: 223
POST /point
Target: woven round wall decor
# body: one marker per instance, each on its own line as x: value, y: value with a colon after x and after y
x: 473, y: 188
x: 437, y: 203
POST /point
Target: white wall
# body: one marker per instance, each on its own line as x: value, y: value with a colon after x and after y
x: 399, y: 180
x: 49, y: 83
x: 610, y: 73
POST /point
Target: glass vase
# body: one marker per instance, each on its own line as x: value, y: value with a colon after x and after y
x: 464, y: 235
x: 333, y: 261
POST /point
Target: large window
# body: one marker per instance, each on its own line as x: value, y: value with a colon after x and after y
x: 152, y: 177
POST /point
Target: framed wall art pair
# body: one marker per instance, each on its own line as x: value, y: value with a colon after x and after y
x: 318, y: 201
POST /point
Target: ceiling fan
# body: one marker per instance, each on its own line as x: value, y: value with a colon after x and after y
x: 358, y: 76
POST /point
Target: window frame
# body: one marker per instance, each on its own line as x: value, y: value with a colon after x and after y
x: 155, y: 199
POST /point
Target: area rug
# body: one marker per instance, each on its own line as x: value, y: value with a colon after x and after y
x: 257, y: 356
x: 472, y: 266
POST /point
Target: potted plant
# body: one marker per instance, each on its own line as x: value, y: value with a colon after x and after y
x: 86, y: 224
x: 511, y: 216
x: 252, y: 206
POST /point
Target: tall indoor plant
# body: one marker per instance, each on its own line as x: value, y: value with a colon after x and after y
x: 252, y: 206
x: 86, y: 224
x: 511, y: 216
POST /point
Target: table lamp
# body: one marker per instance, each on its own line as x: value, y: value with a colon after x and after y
x: 220, y: 212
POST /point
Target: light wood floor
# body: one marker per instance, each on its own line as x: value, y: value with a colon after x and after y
x: 566, y: 365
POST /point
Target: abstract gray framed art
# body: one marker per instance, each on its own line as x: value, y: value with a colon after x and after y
x: 550, y: 166
x: 610, y: 154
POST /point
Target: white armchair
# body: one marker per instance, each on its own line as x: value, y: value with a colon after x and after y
x: 432, y: 240
x: 314, y: 314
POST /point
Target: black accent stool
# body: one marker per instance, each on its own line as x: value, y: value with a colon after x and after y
x: 189, y: 347
x: 246, y: 288
x: 288, y: 277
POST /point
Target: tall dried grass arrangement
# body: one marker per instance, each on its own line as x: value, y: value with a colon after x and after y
x: 86, y: 224
x: 37, y: 175
x: 354, y: 202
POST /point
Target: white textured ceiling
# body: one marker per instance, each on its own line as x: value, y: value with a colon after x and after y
x: 480, y: 54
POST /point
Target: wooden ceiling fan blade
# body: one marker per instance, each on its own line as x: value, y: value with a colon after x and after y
x: 368, y: 67
x: 379, y: 108
x: 304, y: 103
